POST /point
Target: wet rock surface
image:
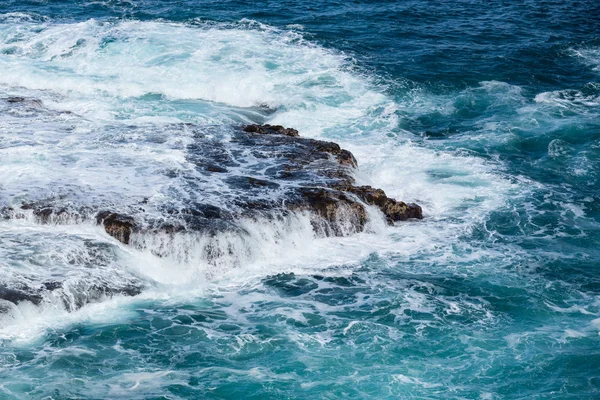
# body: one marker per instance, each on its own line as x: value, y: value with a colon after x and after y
x: 260, y: 170
x: 269, y: 170
x: 117, y: 225
x: 256, y: 173
x: 71, y: 298
x: 393, y: 210
x: 271, y: 130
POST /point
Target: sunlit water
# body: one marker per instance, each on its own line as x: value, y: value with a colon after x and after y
x: 487, y: 115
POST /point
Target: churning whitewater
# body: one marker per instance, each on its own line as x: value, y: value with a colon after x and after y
x: 221, y: 276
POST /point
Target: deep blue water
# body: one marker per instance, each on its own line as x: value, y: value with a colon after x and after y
x: 486, y: 113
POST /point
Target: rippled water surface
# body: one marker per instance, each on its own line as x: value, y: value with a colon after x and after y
x: 485, y: 113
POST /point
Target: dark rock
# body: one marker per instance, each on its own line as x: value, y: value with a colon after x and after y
x: 334, y: 207
x: 6, y: 212
x: 271, y: 173
x: 16, y: 295
x: 400, y: 211
x: 52, y: 285
x: 208, y: 211
x: 36, y: 103
x: 215, y: 168
x: 44, y: 214
x: 95, y: 292
x: 330, y: 192
x: 117, y: 225
x: 73, y: 297
x: 171, y: 228
x: 392, y: 209
x: 281, y: 172
x: 15, y: 99
x: 48, y: 214
x: 271, y: 130
x: 250, y: 183
x: 344, y: 157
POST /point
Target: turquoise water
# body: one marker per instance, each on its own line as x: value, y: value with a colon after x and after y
x: 488, y: 115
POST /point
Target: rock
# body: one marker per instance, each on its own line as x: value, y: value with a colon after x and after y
x: 16, y: 296
x: 215, y: 168
x: 73, y: 297
x: 335, y: 208
x: 271, y: 130
x: 262, y: 173
x: 392, y: 209
x: 344, y: 157
x: 92, y: 293
x: 47, y: 213
x: 117, y: 225
x: 15, y: 99
x: 331, y: 192
x: 37, y: 103
x: 258, y: 171
x: 400, y: 211
x: 7, y: 212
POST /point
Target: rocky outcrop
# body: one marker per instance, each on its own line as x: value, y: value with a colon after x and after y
x: 337, y: 197
x: 393, y: 210
x: 259, y: 173
x: 281, y: 172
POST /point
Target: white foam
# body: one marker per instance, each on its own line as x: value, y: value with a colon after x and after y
x: 27, y: 323
x: 400, y: 378
x: 239, y: 67
x: 589, y: 56
x: 569, y: 99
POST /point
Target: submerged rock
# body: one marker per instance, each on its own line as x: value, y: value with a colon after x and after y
x: 16, y: 296
x: 15, y: 99
x: 47, y: 212
x: 31, y: 102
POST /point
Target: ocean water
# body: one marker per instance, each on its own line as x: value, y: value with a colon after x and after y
x: 487, y: 114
